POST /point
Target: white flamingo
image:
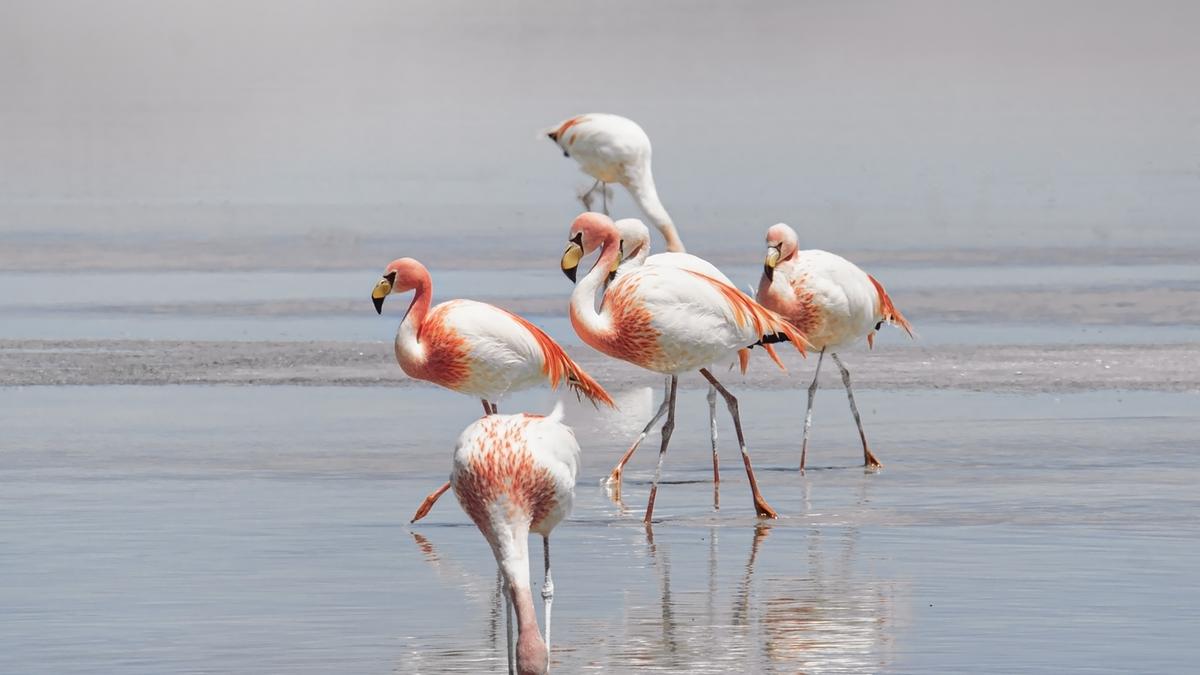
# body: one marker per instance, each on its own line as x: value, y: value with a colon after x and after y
x: 515, y: 474
x: 667, y: 320
x: 833, y: 301
x: 614, y: 149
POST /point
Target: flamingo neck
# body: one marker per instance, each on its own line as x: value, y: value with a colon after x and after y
x: 510, y: 543
x: 408, y: 337
x: 640, y: 184
x: 592, y: 325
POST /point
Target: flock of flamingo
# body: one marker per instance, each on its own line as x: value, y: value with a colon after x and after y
x: 669, y: 313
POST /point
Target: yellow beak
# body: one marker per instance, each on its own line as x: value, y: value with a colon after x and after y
x: 570, y: 260
x: 378, y: 294
x: 772, y: 257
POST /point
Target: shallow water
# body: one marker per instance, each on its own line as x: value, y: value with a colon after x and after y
x: 182, y: 529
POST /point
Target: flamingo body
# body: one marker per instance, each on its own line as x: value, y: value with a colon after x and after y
x: 829, y: 298
x: 475, y: 348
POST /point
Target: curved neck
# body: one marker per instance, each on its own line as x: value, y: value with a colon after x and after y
x: 641, y: 188
x: 510, y: 544
x: 408, y: 336
x: 588, y: 323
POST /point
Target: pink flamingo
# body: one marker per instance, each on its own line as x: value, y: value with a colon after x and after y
x: 473, y: 348
x: 833, y: 301
x: 515, y: 474
x: 667, y: 320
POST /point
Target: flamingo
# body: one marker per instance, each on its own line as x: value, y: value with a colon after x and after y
x: 667, y: 320
x: 635, y: 252
x: 833, y: 301
x: 473, y: 348
x: 515, y: 474
x: 614, y: 149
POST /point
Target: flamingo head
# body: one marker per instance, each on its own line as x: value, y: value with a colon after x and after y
x: 781, y: 244
x: 635, y: 238
x: 400, y: 276
x: 589, y: 231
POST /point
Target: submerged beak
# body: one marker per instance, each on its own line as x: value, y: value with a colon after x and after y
x: 771, y: 262
x: 571, y: 258
x: 382, y: 288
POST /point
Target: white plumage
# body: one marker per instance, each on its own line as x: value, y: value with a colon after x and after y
x: 614, y: 149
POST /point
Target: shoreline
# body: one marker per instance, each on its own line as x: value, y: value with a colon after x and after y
x: 994, y: 368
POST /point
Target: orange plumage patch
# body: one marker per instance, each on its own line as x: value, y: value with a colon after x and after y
x: 888, y: 311
x: 559, y: 368
x: 447, y: 353
x: 748, y: 312
x: 633, y: 338
x: 803, y: 312
x: 562, y: 129
x: 503, y: 468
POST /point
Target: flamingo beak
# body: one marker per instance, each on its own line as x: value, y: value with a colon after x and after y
x: 571, y: 257
x: 771, y: 262
x: 382, y: 288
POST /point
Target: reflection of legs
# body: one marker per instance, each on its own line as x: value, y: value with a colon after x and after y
x: 508, y: 626
x: 547, y: 593
x: 868, y: 458
x: 614, y: 478
x: 423, y: 509
x: 667, y: 428
x: 812, y: 395
x: 760, y: 505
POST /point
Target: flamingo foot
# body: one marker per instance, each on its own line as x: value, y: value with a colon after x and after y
x: 763, y: 509
x: 424, y: 508
x: 869, y: 461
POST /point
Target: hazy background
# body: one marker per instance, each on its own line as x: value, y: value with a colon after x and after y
x: 869, y: 125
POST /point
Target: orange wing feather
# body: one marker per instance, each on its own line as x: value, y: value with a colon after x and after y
x: 558, y: 367
x: 888, y: 311
x: 765, y: 322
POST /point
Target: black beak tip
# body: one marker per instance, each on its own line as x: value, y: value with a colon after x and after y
x: 378, y: 304
x: 769, y: 272
x: 570, y: 273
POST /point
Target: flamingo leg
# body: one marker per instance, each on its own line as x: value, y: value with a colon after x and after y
x: 869, y: 460
x: 812, y: 395
x: 712, y: 430
x: 667, y: 428
x: 614, y: 479
x: 423, y: 509
x: 604, y: 196
x: 586, y: 197
x: 487, y: 407
x: 761, y: 507
x: 547, y: 593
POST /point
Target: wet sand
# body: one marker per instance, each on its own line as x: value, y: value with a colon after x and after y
x: 1018, y: 368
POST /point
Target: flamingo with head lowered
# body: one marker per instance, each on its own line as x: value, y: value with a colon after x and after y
x: 833, y: 301
x: 474, y: 348
x: 515, y: 474
x: 667, y: 320
x: 614, y: 149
